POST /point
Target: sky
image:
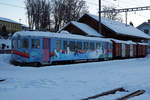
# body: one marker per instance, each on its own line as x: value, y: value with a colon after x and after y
x: 15, y: 10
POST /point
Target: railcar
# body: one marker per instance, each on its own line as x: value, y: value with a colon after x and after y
x: 36, y: 47
x: 45, y: 47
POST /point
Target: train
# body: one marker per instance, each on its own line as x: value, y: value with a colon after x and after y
x: 41, y: 48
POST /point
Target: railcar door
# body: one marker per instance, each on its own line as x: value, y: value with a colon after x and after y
x: 46, y: 49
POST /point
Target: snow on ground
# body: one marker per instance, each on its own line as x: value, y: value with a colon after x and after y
x: 74, y: 82
x: 7, y: 42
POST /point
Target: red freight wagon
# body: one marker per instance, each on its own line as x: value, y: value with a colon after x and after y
x: 134, y: 50
x: 127, y: 50
x: 117, y: 49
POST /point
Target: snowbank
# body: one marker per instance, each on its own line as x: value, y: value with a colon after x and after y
x: 74, y: 82
x: 7, y: 42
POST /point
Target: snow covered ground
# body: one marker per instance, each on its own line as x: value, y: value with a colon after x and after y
x: 74, y: 82
x: 7, y: 42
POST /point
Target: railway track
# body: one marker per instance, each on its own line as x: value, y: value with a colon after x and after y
x: 113, y: 92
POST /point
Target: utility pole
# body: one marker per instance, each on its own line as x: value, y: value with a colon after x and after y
x: 126, y: 15
x: 100, y: 27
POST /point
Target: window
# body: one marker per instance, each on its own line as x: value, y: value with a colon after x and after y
x: 85, y: 45
x: 72, y: 46
x: 110, y: 46
x: 91, y: 46
x: 14, y: 44
x: 35, y: 43
x: 97, y: 45
x: 65, y: 45
x: 19, y: 44
x: 25, y: 43
x: 146, y: 31
x: 79, y: 45
x: 58, y: 45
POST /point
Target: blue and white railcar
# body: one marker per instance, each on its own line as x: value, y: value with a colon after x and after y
x: 45, y: 47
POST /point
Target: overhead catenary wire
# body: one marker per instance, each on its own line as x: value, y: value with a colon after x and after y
x: 11, y: 5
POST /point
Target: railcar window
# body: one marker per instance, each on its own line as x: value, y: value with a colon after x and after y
x: 65, y: 45
x: 72, y: 46
x: 110, y: 46
x: 97, y: 45
x: 91, y: 46
x: 85, y: 45
x: 35, y: 43
x: 58, y: 45
x: 25, y: 43
x: 79, y: 45
x: 19, y: 44
x: 14, y: 43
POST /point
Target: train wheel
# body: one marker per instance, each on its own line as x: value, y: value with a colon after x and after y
x: 36, y: 64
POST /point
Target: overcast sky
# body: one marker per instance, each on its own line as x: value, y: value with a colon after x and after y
x: 17, y: 12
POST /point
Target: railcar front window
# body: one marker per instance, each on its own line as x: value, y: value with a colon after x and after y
x: 14, y: 44
x: 19, y: 45
x: 35, y: 43
x: 25, y: 44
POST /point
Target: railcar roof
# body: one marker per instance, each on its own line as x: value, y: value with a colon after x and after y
x: 58, y: 35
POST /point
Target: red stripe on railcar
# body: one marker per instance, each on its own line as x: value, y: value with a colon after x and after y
x: 26, y: 55
x: 51, y: 54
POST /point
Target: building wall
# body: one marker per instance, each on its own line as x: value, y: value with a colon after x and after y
x: 147, y: 27
x: 10, y: 27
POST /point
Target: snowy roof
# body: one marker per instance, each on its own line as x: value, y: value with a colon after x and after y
x: 121, y: 28
x: 144, y: 23
x: 23, y: 25
x: 87, y: 29
x: 8, y: 20
x: 58, y: 35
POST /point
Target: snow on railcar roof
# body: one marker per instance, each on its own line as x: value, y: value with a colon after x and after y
x: 122, y: 41
x: 57, y: 35
x: 121, y: 28
x: 143, y: 43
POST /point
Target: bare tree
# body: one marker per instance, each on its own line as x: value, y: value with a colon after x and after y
x: 113, y: 16
x: 53, y: 13
x: 38, y: 12
x: 65, y: 11
x: 58, y: 13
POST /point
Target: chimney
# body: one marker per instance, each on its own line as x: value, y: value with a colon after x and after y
x: 148, y: 20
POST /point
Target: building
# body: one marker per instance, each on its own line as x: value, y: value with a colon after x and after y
x: 10, y: 25
x: 145, y: 27
x: 110, y: 29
